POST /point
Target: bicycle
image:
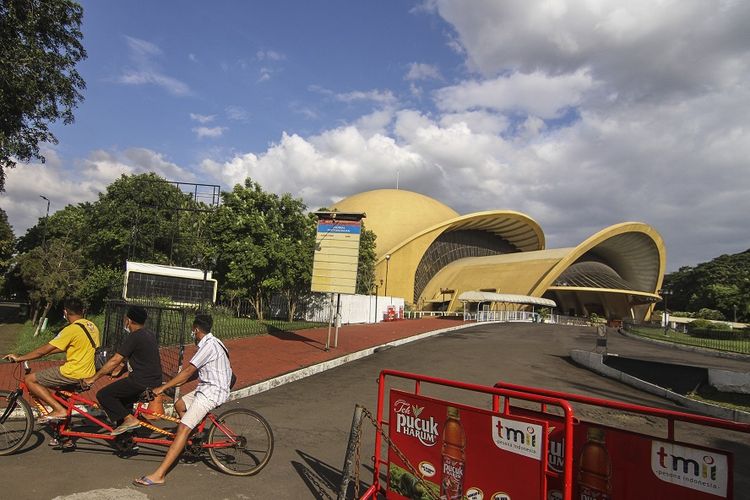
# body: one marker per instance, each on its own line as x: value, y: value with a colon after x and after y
x: 239, y: 442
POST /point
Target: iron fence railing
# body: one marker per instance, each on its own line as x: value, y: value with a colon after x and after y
x: 737, y: 340
x: 171, y: 324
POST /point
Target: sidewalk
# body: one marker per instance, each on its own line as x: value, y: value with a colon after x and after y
x: 265, y: 361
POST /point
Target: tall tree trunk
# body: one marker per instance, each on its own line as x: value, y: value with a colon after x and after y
x: 44, y: 316
x: 36, y: 313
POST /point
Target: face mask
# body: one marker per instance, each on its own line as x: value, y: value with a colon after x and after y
x: 65, y: 316
x: 125, y: 328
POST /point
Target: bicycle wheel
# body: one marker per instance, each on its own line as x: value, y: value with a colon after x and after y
x: 242, y: 442
x: 17, y: 425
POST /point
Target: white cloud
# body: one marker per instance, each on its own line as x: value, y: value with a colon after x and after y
x: 269, y: 55
x: 65, y: 182
x: 377, y: 96
x: 264, y: 74
x: 202, y: 118
x: 534, y: 93
x: 212, y: 132
x: 421, y: 71
x: 237, y: 113
x: 146, y: 71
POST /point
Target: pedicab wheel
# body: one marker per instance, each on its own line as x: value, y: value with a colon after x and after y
x: 16, y: 422
x: 241, y: 443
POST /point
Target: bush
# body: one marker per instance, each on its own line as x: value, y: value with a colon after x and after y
x: 707, y: 313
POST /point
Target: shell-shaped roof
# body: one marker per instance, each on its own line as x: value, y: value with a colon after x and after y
x: 395, y: 215
x: 634, y: 249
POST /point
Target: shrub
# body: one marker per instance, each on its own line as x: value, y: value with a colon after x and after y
x: 707, y: 313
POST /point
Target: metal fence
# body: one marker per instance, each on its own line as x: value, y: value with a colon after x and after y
x: 737, y: 340
x: 172, y: 324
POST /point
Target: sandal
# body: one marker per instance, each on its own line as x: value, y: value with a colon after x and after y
x: 143, y: 481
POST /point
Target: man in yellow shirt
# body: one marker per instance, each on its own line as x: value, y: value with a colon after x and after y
x: 78, y: 341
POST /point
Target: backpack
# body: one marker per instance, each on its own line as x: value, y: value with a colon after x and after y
x: 100, y: 353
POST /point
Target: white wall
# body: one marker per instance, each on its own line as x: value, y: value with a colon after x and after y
x: 359, y: 308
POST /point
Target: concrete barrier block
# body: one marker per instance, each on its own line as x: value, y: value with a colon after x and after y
x: 728, y: 381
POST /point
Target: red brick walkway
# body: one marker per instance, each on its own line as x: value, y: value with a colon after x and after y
x: 263, y: 357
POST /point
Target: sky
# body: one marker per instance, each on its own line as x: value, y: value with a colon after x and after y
x: 578, y: 113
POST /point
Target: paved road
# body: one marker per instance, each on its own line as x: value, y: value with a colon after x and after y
x: 311, y: 419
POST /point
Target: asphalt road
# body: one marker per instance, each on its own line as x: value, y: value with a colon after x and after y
x: 311, y: 420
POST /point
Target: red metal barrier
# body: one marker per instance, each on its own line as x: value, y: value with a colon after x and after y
x: 661, y: 468
x: 565, y: 477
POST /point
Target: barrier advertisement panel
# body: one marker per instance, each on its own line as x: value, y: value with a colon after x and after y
x: 613, y: 463
x: 463, y: 452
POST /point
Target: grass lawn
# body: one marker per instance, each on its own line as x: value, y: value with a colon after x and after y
x: 734, y: 401
x: 225, y: 327
x: 741, y: 346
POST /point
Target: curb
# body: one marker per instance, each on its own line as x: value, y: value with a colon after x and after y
x: 308, y: 371
x: 690, y: 348
x: 594, y: 361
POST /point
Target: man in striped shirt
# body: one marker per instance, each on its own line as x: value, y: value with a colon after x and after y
x: 211, y: 363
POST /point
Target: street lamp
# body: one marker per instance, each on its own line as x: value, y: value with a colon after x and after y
x: 665, y: 292
x: 46, y: 218
x: 387, y: 260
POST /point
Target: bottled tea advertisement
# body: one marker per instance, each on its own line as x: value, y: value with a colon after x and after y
x: 458, y: 452
x: 610, y: 463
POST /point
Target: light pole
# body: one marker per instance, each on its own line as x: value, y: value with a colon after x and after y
x: 665, y: 292
x: 387, y: 261
x: 46, y: 218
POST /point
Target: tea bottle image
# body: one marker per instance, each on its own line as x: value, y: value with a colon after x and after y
x: 595, y: 468
x: 453, y: 457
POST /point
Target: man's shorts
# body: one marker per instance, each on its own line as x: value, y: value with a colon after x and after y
x: 198, y: 407
x: 51, y: 377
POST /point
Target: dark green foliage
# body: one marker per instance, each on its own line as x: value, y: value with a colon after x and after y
x: 722, y: 284
x: 264, y: 245
x: 7, y: 246
x: 366, y: 264
x: 40, y: 43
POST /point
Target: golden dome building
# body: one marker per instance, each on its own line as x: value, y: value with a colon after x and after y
x: 430, y: 255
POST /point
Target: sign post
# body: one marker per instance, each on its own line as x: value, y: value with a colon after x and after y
x: 336, y: 257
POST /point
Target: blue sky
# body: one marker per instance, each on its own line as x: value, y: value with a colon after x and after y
x: 580, y: 114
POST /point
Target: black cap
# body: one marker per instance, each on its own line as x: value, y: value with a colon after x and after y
x: 137, y: 314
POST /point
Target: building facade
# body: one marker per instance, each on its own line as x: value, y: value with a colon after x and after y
x: 429, y: 254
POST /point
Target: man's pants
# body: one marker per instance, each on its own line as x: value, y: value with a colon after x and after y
x: 118, y: 397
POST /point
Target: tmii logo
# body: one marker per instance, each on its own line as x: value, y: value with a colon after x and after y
x: 692, y: 468
x: 518, y: 437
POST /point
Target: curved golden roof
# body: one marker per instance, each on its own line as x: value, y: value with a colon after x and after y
x: 519, y: 229
x: 396, y: 215
x: 634, y: 249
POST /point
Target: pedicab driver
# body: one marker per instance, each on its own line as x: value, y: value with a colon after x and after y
x: 211, y: 363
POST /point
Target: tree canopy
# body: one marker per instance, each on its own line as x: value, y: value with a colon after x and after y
x: 721, y: 284
x: 40, y: 42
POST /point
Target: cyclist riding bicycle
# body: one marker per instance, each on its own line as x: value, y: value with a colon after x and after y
x: 141, y: 351
x: 78, y: 341
x: 211, y: 363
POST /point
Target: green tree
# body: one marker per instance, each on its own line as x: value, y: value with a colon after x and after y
x: 244, y: 241
x: 721, y: 284
x: 141, y: 218
x: 39, y: 84
x: 366, y: 263
x: 295, y: 250
x: 7, y: 246
x: 264, y: 245
x: 51, y: 272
